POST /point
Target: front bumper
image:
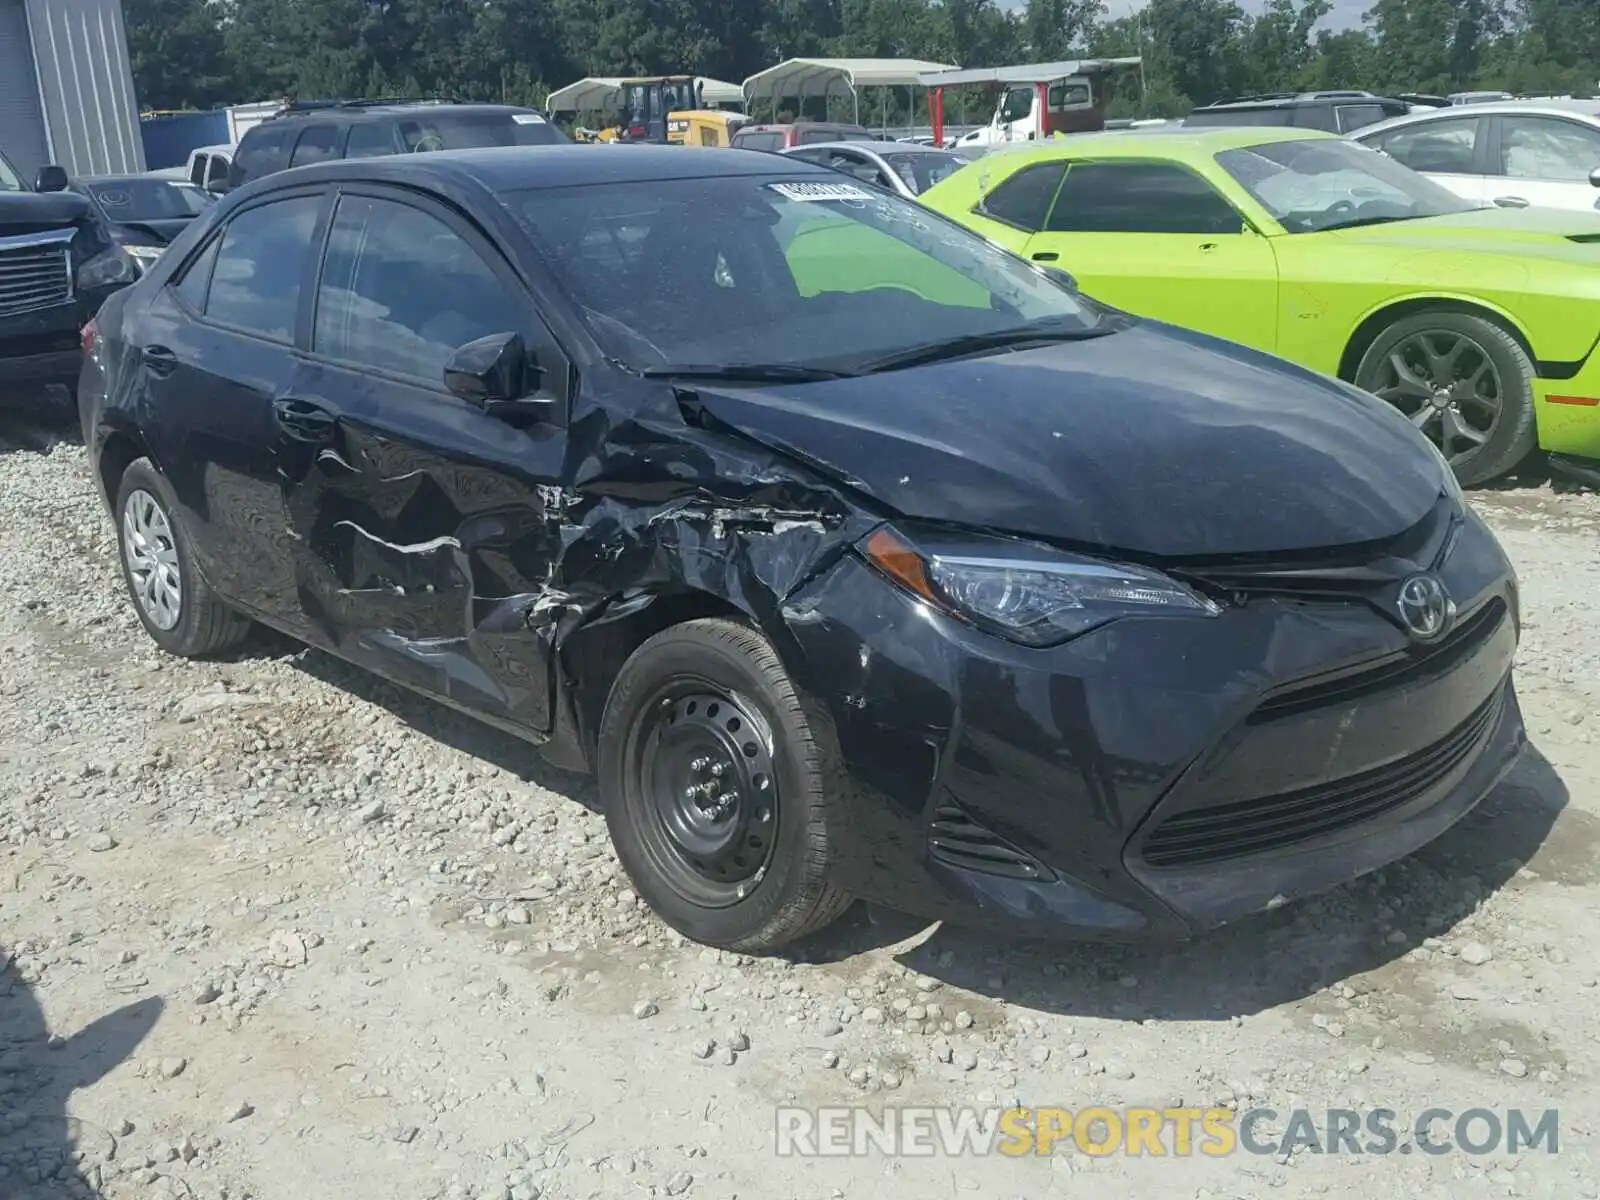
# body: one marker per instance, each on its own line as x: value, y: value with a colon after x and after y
x: 1156, y: 778
x: 45, y: 345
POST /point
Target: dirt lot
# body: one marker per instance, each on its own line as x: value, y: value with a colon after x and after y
x: 275, y: 930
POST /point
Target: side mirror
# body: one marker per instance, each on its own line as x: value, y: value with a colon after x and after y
x: 1064, y: 276
x: 1594, y: 177
x: 50, y: 179
x: 497, y: 374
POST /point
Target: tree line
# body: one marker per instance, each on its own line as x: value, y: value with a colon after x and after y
x: 204, y: 53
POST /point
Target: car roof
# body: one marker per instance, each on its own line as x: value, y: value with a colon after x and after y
x: 359, y: 112
x: 528, y: 168
x: 1295, y: 100
x: 1176, y: 141
x: 875, y: 147
x: 1496, y: 108
x: 131, y: 177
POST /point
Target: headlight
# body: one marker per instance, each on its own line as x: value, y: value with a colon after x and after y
x: 1027, y: 593
x: 106, y: 269
x: 144, y: 257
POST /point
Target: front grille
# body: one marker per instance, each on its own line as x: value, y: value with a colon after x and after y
x: 1210, y: 835
x: 1383, y: 674
x: 34, y: 277
x: 959, y: 840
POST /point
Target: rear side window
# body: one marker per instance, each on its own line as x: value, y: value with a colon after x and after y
x: 262, y: 151
x: 1242, y: 116
x: 1133, y: 197
x: 758, y: 141
x: 1433, y: 147
x: 192, y: 287
x: 401, y: 291
x: 317, y: 144
x: 260, y: 266
x: 1357, y: 116
x: 372, y: 139
x: 1024, y: 199
x: 446, y: 130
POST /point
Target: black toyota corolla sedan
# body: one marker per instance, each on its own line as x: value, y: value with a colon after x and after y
x: 858, y: 557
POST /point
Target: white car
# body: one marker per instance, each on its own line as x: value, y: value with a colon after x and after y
x: 904, y: 168
x: 1511, y: 153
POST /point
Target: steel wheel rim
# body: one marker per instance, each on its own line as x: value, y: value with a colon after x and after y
x: 708, y: 792
x: 1447, y: 385
x: 151, y: 556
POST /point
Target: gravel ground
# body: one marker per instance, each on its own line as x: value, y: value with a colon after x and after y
x: 271, y: 929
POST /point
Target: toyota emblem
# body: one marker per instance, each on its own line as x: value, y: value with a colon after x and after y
x: 1425, y: 607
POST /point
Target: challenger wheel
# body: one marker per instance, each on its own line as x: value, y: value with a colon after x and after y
x: 713, y: 789
x: 177, y: 608
x: 1462, y: 380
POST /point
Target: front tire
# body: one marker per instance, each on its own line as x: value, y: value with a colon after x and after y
x: 175, y: 605
x: 1462, y: 380
x: 713, y: 785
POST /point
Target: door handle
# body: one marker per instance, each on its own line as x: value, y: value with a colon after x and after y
x: 1510, y: 202
x: 1046, y: 256
x: 1207, y: 247
x: 159, y: 360
x: 302, y: 421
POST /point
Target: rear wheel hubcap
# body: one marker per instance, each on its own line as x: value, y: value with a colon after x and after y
x: 151, y: 555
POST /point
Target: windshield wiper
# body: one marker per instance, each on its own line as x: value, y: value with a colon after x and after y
x: 747, y: 372
x: 977, y: 343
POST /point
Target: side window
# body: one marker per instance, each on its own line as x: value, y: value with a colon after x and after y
x: 197, y: 169
x: 191, y: 288
x: 371, y: 139
x: 317, y: 144
x: 1357, y: 116
x: 758, y: 141
x: 401, y: 291
x: 1024, y: 199
x: 260, y: 265
x: 1433, y: 147
x: 216, y: 170
x: 262, y: 151
x: 1548, y: 148
x: 1135, y: 197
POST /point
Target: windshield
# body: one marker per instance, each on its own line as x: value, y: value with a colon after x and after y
x: 1329, y: 183
x: 795, y: 272
x: 147, y: 199
x: 922, y: 171
x: 475, y: 131
x: 10, y: 181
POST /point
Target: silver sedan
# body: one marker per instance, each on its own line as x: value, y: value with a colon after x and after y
x: 904, y: 168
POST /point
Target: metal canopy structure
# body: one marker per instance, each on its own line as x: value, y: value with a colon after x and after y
x: 1023, y: 73
x: 603, y: 93
x: 803, y: 78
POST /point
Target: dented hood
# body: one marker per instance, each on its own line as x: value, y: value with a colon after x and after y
x: 1152, y: 441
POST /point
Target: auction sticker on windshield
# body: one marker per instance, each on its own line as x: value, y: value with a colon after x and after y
x: 527, y: 118
x: 820, y: 191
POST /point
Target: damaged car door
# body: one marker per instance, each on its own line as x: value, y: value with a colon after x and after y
x: 425, y: 509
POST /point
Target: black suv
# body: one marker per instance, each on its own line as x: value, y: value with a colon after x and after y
x: 57, y: 264
x: 308, y: 132
x: 1333, y: 112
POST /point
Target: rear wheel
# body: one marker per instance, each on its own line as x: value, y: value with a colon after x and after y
x: 175, y: 605
x: 1462, y: 380
x: 713, y: 788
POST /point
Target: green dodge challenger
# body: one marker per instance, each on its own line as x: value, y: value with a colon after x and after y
x: 1482, y: 325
